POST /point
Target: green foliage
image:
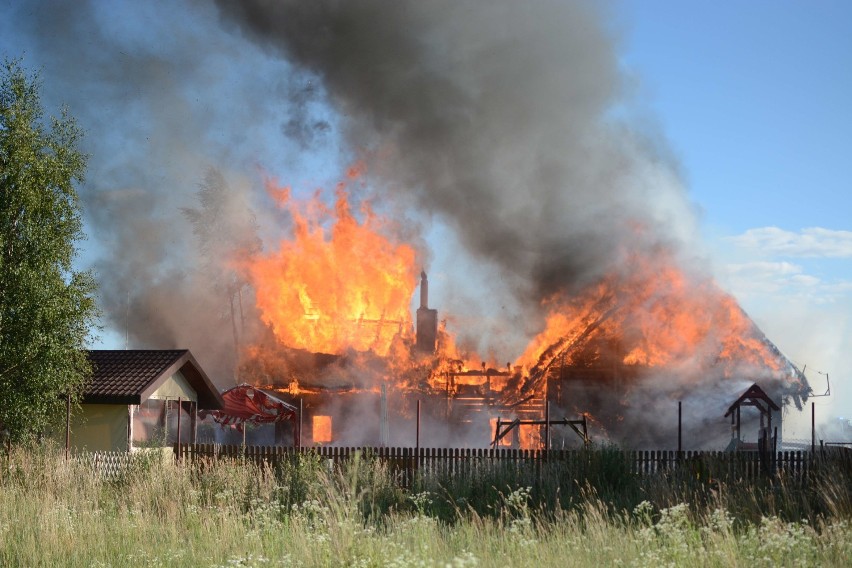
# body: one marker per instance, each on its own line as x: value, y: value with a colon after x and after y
x: 46, y: 307
x: 304, y: 512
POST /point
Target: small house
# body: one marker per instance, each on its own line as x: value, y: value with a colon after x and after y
x: 141, y: 398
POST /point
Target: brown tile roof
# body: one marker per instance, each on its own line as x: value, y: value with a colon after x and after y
x: 131, y: 376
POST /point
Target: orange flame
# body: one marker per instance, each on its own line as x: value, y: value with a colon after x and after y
x: 655, y: 315
x: 340, y: 282
x: 343, y: 281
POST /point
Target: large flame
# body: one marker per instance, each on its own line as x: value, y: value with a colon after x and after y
x: 344, y: 282
x: 654, y: 314
x: 340, y: 282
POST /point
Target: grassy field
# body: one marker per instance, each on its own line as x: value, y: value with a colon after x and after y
x: 157, y: 513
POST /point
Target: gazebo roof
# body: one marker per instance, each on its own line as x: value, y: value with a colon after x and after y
x: 752, y: 397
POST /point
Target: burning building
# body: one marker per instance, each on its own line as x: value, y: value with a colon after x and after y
x: 620, y: 354
x: 497, y: 122
x: 626, y: 349
x: 492, y: 120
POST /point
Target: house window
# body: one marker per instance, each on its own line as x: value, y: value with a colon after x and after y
x: 530, y: 437
x: 150, y: 420
x: 321, y: 429
x: 155, y: 423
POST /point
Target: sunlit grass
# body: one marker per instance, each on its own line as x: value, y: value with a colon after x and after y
x: 158, y: 513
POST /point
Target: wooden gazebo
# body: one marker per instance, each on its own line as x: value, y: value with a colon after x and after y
x: 756, y: 397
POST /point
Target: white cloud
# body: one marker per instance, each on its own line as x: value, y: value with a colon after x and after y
x: 762, y: 278
x: 764, y: 269
x: 779, y: 283
x: 813, y: 242
x: 805, y: 280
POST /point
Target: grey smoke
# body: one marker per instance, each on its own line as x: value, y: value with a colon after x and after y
x: 507, y: 122
x: 496, y: 116
x: 503, y: 120
x: 163, y: 95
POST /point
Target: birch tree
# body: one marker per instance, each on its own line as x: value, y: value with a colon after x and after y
x: 47, y: 310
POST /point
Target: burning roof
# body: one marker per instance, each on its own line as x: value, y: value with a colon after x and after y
x: 653, y: 316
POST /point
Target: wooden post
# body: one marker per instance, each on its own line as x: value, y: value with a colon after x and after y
x: 449, y: 397
x: 180, y: 407
x: 739, y: 438
x: 417, y: 441
x: 130, y: 427
x: 679, y: 428
x: 299, y: 427
x: 775, y: 450
x: 813, y: 429
x: 417, y: 438
x: 546, y: 425
x: 67, y: 425
x: 194, y: 425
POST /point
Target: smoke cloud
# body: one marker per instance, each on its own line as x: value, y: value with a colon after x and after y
x: 504, y: 124
x: 497, y: 117
x: 500, y: 121
x: 496, y: 120
x: 164, y: 96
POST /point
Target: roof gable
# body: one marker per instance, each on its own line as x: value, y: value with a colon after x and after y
x: 132, y: 376
x: 175, y: 386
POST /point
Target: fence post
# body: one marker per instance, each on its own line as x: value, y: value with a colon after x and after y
x: 67, y: 426
x: 417, y: 436
x: 679, y: 429
x: 546, y: 426
x: 180, y: 408
x: 813, y: 428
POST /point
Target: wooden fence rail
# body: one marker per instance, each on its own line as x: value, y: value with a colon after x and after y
x: 580, y: 464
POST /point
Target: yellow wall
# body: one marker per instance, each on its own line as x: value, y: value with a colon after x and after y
x: 175, y: 387
x: 99, y: 428
x: 103, y: 427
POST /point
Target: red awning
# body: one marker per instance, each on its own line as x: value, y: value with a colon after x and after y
x: 245, y: 403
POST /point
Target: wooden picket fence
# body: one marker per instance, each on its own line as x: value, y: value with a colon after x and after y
x: 444, y: 462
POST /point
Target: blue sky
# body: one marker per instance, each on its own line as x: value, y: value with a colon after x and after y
x: 752, y: 100
x: 755, y: 99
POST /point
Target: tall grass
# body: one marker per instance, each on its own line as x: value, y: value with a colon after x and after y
x: 157, y: 513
